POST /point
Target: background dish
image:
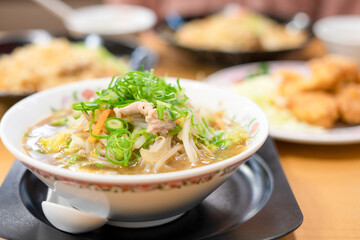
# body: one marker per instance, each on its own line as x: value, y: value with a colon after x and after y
x: 340, y: 134
x: 21, y: 194
x: 110, y: 20
x: 339, y: 34
x: 138, y: 56
x: 166, y: 29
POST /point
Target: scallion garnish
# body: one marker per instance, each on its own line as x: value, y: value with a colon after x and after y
x: 118, y: 148
x: 73, y: 159
x: 59, y: 122
x: 114, y: 123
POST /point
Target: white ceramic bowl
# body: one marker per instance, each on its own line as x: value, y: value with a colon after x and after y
x: 133, y: 200
x: 341, y: 34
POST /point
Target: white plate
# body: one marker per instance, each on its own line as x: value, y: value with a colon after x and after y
x: 340, y: 134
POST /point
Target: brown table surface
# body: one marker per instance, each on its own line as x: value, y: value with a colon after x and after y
x: 324, y: 179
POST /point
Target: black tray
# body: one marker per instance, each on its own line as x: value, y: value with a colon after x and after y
x: 255, y: 203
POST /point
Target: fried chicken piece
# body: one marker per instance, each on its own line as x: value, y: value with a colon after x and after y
x: 318, y: 108
x: 291, y: 83
x: 348, y: 100
x: 332, y: 71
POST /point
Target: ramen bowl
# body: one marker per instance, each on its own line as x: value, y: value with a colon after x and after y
x: 133, y: 200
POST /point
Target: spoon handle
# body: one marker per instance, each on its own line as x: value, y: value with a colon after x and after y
x: 56, y: 7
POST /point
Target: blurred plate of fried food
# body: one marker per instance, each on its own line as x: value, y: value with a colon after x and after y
x: 315, y: 102
x: 235, y: 35
x: 33, y: 60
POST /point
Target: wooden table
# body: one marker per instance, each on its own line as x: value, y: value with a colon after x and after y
x: 324, y: 179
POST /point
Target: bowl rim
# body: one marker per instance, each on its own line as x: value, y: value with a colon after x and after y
x: 319, y: 25
x: 139, y: 178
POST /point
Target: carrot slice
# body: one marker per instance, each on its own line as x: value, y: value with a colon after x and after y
x: 99, y: 125
x: 220, y: 123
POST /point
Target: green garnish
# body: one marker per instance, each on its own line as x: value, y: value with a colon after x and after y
x: 85, y: 106
x: 67, y: 143
x: 76, y: 117
x: 218, y: 140
x: 75, y: 96
x: 118, y: 148
x: 59, y: 122
x: 149, y: 138
x: 140, y: 86
x: 263, y: 69
x: 97, y: 152
x: 73, y: 159
x: 175, y: 130
x: 113, y: 124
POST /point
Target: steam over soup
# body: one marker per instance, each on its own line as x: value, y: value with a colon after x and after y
x: 138, y: 125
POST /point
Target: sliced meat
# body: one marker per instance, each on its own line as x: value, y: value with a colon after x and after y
x: 134, y: 108
x: 155, y: 125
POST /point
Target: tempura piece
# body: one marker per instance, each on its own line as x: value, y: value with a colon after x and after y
x: 348, y: 100
x: 318, y: 108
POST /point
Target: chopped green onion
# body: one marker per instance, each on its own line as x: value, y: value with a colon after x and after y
x: 86, y: 106
x: 75, y: 96
x: 140, y: 86
x: 73, y: 159
x: 118, y: 148
x: 113, y: 124
x: 149, y: 138
x: 263, y: 69
x: 76, y: 117
x: 59, y: 122
x: 68, y: 142
x: 175, y: 130
x: 178, y: 83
